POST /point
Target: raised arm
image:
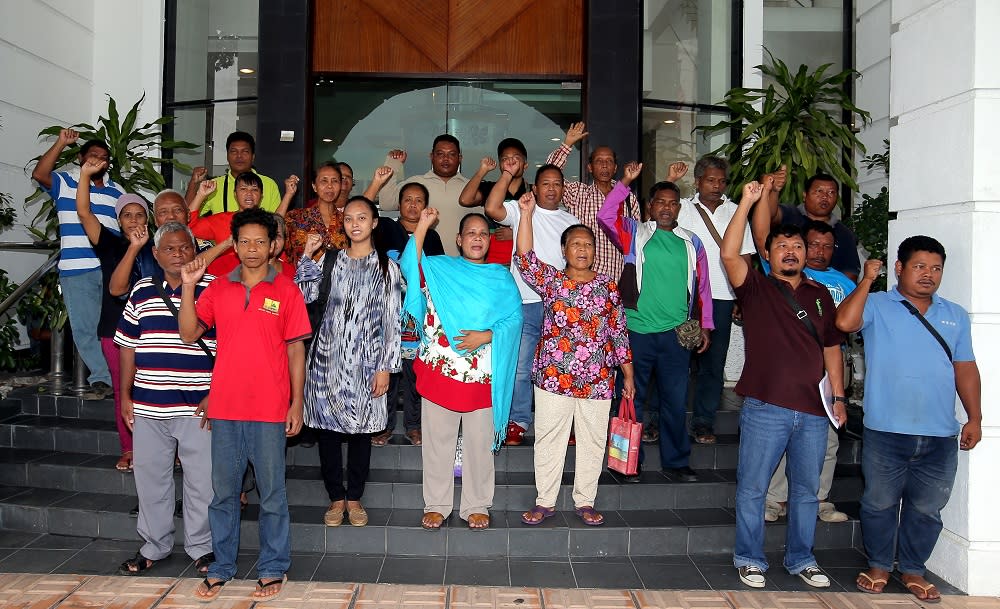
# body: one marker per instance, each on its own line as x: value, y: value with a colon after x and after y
x: 120, y: 282
x: 611, y: 217
x: 774, y: 194
x: 291, y: 187
x: 388, y: 199
x: 470, y: 195
x: 732, y: 242
x: 379, y: 180
x: 676, y: 171
x: 198, y: 175
x: 205, y: 189
x: 494, y: 203
x: 851, y: 312
x: 574, y: 134
x: 187, y: 318
x: 42, y: 173
x: 215, y: 251
x: 760, y: 219
x: 525, y: 238
x: 91, y: 225
x: 428, y: 217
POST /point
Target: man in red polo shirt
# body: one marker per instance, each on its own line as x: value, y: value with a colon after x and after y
x: 260, y: 322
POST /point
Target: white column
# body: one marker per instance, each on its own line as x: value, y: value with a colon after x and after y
x: 945, y: 102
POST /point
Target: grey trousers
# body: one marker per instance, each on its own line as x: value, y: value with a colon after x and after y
x: 440, y: 434
x: 153, y: 467
x: 777, y: 491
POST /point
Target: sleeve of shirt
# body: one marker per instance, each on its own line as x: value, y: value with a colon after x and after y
x: 513, y: 214
x: 790, y: 215
x: 271, y: 198
x: 296, y: 319
x: 744, y: 292
x: 849, y: 261
x: 128, y: 332
x: 390, y: 322
x: 633, y: 207
x: 558, y: 156
x: 704, y: 284
x: 104, y: 248
x: 962, y: 351
x: 432, y: 244
x: 537, y: 274
x: 204, y: 306
x: 202, y: 226
x: 56, y: 181
x: 308, y: 275
x: 621, y: 352
x: 609, y: 214
x: 868, y: 315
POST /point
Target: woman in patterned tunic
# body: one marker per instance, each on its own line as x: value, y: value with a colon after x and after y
x: 354, y: 350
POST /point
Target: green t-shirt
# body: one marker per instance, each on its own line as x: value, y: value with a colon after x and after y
x: 663, y: 299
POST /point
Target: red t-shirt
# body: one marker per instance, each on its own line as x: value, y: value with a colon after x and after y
x: 216, y: 228
x: 253, y: 327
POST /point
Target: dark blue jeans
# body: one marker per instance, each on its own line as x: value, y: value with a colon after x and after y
x: 908, y: 481
x: 662, y: 354
x: 710, y: 367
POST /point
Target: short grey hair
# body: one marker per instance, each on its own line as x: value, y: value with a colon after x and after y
x: 173, y: 227
x: 167, y: 191
x: 710, y: 162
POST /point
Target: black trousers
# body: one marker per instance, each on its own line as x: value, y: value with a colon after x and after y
x: 403, y: 382
x: 331, y: 461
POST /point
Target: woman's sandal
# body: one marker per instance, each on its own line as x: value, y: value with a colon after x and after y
x: 537, y: 515
x: 381, y: 439
x: 479, y: 522
x: 590, y: 516
x: 432, y: 521
x: 212, y: 590
x: 135, y: 566
x: 125, y: 462
x: 202, y: 563
x: 870, y: 585
x: 262, y: 586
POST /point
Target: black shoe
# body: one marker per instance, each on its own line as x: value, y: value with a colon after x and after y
x: 134, y: 512
x: 634, y: 479
x: 685, y: 474
x: 98, y: 391
x: 178, y: 509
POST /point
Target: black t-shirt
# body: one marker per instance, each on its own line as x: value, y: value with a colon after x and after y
x: 845, y: 244
x: 390, y: 237
x: 484, y: 189
x: 110, y: 249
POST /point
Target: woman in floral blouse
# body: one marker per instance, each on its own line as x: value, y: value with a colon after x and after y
x: 583, y: 339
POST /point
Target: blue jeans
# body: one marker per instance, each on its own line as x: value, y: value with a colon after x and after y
x: 82, y: 294
x: 917, y: 472
x: 662, y: 354
x: 262, y: 444
x: 524, y: 391
x: 767, y: 431
x: 710, y: 367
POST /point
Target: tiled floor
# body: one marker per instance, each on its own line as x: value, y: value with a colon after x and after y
x: 57, y: 554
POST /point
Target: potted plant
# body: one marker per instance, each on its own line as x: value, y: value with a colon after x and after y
x: 870, y: 219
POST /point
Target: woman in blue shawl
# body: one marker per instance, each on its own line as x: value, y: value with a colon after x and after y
x: 469, y: 314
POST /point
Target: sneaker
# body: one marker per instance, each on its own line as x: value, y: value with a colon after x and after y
x: 98, y: 391
x: 829, y: 512
x: 753, y: 576
x: 814, y: 576
x: 772, y: 510
x: 515, y: 434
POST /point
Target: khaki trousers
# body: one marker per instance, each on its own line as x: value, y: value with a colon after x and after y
x: 440, y: 434
x: 777, y: 491
x: 555, y: 416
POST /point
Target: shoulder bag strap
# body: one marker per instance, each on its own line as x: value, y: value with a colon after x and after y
x: 158, y: 282
x: 225, y: 192
x: 913, y: 310
x: 709, y: 224
x: 800, y: 313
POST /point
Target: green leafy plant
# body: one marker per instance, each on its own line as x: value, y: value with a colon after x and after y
x: 797, y: 124
x: 870, y: 219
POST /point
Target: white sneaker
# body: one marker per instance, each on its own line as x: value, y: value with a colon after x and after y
x: 752, y: 576
x: 829, y: 513
x: 772, y: 510
x: 815, y: 577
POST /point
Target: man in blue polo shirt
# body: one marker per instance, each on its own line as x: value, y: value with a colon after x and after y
x: 918, y: 350
x: 79, y: 268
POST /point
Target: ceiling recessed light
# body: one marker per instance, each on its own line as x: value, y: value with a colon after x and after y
x: 247, y: 70
x: 669, y: 121
x: 327, y: 140
x: 555, y: 139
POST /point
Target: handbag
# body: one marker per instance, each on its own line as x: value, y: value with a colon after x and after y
x: 689, y: 334
x: 624, y: 439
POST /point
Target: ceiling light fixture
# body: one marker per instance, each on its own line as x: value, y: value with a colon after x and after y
x: 247, y: 70
x: 669, y: 121
x: 327, y: 140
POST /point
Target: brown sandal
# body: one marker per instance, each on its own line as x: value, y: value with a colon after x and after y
x: 925, y: 592
x: 870, y: 585
x: 432, y: 521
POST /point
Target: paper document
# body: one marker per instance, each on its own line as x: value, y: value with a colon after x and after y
x: 826, y: 395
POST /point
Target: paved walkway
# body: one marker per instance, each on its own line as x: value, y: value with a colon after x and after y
x: 31, y: 591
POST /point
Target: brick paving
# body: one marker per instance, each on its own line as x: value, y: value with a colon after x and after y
x: 28, y: 591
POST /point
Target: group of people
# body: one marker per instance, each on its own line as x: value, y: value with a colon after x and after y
x: 536, y: 313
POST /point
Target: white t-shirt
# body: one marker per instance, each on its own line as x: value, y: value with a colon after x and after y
x: 690, y: 219
x: 547, y: 227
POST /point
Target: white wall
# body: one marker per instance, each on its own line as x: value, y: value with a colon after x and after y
x: 871, y: 58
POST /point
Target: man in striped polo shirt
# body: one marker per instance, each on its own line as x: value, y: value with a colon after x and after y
x: 79, y: 268
x: 164, y: 382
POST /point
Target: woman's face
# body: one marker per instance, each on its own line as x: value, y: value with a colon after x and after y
x: 579, y: 250
x: 133, y: 217
x: 411, y: 203
x: 359, y: 221
x: 327, y: 184
x: 474, y: 240
x: 278, y: 245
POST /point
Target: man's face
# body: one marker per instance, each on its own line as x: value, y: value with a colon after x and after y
x: 445, y: 159
x: 787, y: 255
x: 278, y: 245
x: 175, y: 250
x: 548, y: 189
x: 253, y: 246
x: 664, y: 207
x: 819, y: 250
x: 240, y: 157
x: 515, y: 155
x: 411, y: 203
x: 169, y: 208
x: 97, y: 154
x: 821, y: 198
x: 327, y: 184
x: 248, y: 195
x: 602, y: 164
x: 921, y: 275
x: 711, y: 185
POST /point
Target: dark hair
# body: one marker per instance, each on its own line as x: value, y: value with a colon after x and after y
x: 784, y: 230
x: 919, y: 243
x: 95, y: 144
x: 614, y: 155
x: 250, y: 178
x: 423, y: 189
x: 548, y: 167
x: 465, y: 220
x: 341, y: 165
x: 821, y: 177
x: 564, y: 237
x: 710, y: 162
x: 281, y: 228
x: 664, y: 185
x: 254, y: 215
x: 447, y: 137
x: 241, y: 136
x: 377, y: 244
x: 816, y: 226
x: 512, y: 142
x: 327, y: 164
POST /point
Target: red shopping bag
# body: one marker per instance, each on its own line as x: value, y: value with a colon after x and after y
x: 624, y: 439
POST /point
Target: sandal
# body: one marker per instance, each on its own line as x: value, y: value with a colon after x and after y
x: 479, y: 522
x: 705, y: 438
x: 135, y: 566
x: 925, y: 592
x: 537, y: 515
x: 202, y: 564
x: 432, y: 521
x: 381, y: 439
x: 125, y: 462
x: 870, y: 585
x: 262, y: 586
x: 590, y: 516
x: 212, y: 590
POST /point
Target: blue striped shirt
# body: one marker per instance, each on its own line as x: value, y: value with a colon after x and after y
x: 77, y: 254
x: 171, y: 376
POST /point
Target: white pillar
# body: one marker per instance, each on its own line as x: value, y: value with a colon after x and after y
x: 945, y: 103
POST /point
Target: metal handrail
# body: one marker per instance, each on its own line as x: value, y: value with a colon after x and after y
x: 28, y: 283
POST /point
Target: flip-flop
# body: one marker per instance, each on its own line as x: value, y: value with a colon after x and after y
x: 597, y: 519
x: 872, y: 581
x: 140, y: 564
x: 125, y: 462
x: 209, y: 587
x: 274, y: 582
x: 539, y: 511
x: 926, y: 590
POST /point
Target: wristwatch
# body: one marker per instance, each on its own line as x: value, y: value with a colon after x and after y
x: 839, y: 398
